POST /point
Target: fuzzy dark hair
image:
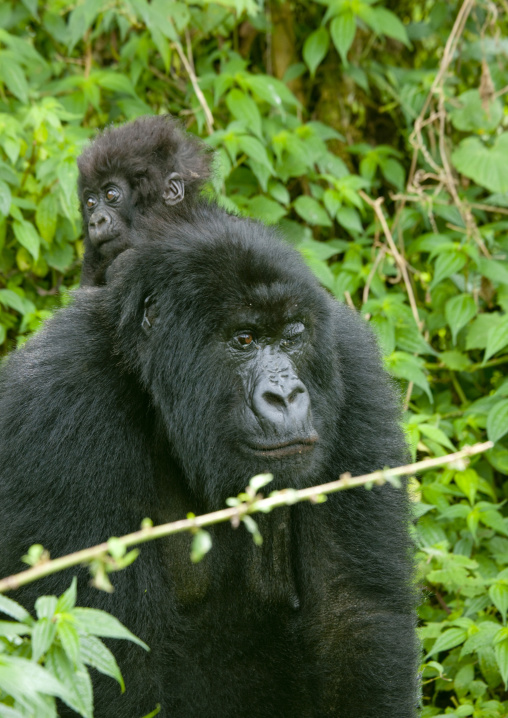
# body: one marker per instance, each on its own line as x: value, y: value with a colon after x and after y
x: 144, y: 152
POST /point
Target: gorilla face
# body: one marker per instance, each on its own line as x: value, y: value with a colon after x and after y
x: 241, y: 365
x: 107, y: 212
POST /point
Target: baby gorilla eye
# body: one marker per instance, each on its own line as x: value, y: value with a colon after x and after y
x: 112, y: 194
x: 91, y: 202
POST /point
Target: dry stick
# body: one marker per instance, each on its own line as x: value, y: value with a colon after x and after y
x: 195, y: 85
x: 376, y: 206
x: 235, y: 514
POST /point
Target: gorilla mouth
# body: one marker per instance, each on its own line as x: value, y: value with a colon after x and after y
x: 286, y: 448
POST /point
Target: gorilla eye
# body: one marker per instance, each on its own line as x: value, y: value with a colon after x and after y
x: 292, y: 335
x: 91, y: 202
x: 112, y: 194
x: 244, y: 339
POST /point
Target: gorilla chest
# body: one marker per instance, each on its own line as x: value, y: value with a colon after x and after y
x: 237, y: 570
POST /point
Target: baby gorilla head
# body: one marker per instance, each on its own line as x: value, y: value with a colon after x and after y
x: 150, y: 166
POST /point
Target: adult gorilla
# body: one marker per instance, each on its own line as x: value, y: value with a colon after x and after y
x: 211, y: 356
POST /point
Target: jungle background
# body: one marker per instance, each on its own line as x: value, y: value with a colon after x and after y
x: 374, y: 133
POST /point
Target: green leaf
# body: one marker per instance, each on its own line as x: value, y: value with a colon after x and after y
x: 474, y: 114
x: 485, y: 166
x: 254, y: 149
x: 315, y: 48
x: 69, y: 639
x: 447, y: 264
x: 45, y: 606
x: 468, y: 482
x: 243, y: 108
x: 459, y: 311
x: 448, y: 639
x: 437, y: 435
x: 480, y: 328
x: 13, y: 76
x: 201, y: 544
x: 408, y: 367
x: 455, y: 360
x: 114, y: 81
x: 13, y: 609
x: 349, y: 218
x: 27, y: 236
x: 60, y: 258
x: 5, y: 198
x: 269, y: 211
x: 46, y: 217
x: 43, y: 636
x: 311, y: 211
x: 81, y: 18
x: 385, y: 22
x: 23, y: 679
x: 67, y: 600
x: 94, y: 653
x: 100, y: 623
x: 260, y: 480
x: 499, y: 595
x: 343, y: 31
x: 497, y: 339
x: 497, y: 421
x: 501, y: 652
x: 13, y: 301
x: 494, y: 520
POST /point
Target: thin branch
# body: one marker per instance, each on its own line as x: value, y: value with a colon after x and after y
x: 401, y: 262
x: 279, y: 498
x: 195, y: 85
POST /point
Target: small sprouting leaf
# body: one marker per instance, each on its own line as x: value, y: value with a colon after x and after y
x: 45, y: 606
x: 69, y: 638
x: 201, y: 544
x: 116, y: 548
x: 67, y: 600
x: 343, y: 30
x: 468, y: 482
x: 315, y: 48
x: 257, y: 482
x: 252, y: 527
x: 459, y: 311
x: 497, y: 421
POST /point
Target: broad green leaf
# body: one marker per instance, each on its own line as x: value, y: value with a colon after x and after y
x: 94, y: 653
x: 67, y: 600
x: 494, y: 520
x: 408, y: 367
x: 499, y: 595
x: 81, y: 18
x: 501, y: 651
x: 315, y: 48
x: 447, y: 264
x: 253, y: 148
x: 77, y: 681
x: 497, y: 339
x: 437, y: 435
x: 485, y: 166
x: 27, y: 236
x: 349, y: 218
x: 5, y: 198
x: 343, y: 30
x: 60, y: 258
x: 311, y: 211
x: 100, y: 623
x: 243, y: 108
x: 69, y: 639
x: 46, y: 217
x: 473, y: 115
x: 468, y: 482
x: 13, y: 609
x: 455, y: 360
x: 459, y: 311
x: 12, y: 300
x: 480, y: 328
x: 43, y: 636
x: 269, y: 211
x: 497, y: 421
x: 448, y: 639
x: 23, y: 678
x: 385, y: 22
x: 114, y: 81
x: 201, y: 544
x: 13, y: 76
x: 271, y: 90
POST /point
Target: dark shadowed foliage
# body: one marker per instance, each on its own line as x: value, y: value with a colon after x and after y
x: 211, y: 355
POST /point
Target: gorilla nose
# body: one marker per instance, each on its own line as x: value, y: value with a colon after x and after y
x: 99, y: 220
x: 282, y: 401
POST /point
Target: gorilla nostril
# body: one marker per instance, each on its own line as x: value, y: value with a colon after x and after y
x: 275, y: 400
x: 295, y: 394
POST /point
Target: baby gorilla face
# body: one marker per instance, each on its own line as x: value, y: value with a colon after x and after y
x: 108, y: 212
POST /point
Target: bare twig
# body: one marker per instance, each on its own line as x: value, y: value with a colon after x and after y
x: 194, y: 80
x: 401, y: 262
x: 279, y: 498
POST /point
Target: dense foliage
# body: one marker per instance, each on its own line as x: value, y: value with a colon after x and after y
x: 374, y: 133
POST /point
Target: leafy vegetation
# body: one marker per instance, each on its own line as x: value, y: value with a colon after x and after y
x: 374, y: 133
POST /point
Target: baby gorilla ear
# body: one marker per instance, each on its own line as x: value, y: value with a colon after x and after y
x: 174, y: 189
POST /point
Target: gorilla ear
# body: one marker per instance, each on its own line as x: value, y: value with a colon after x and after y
x: 174, y: 189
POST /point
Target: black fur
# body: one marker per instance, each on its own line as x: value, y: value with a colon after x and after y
x: 104, y: 422
x: 140, y: 157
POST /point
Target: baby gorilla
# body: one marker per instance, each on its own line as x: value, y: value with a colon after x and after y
x: 149, y: 165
